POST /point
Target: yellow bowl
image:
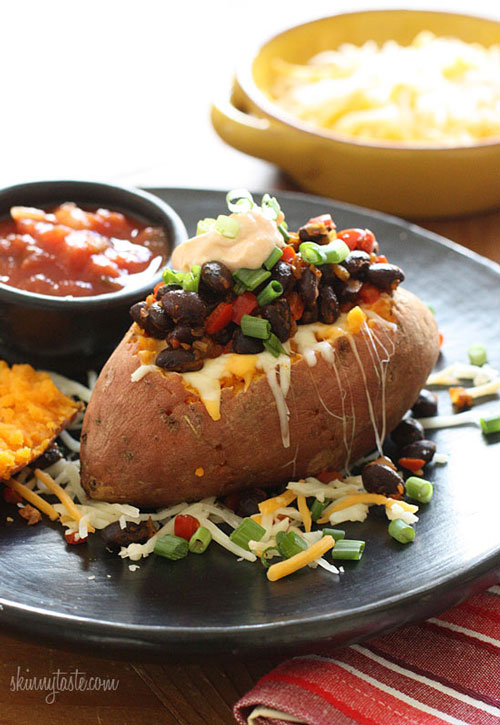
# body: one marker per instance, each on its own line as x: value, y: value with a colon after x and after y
x: 413, y: 181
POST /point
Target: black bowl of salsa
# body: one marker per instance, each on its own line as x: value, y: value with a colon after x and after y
x: 74, y: 256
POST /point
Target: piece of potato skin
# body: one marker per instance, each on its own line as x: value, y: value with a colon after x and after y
x: 143, y: 441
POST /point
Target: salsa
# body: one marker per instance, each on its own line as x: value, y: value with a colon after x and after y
x: 72, y: 252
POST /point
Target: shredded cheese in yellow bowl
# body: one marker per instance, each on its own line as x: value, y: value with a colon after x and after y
x: 437, y: 90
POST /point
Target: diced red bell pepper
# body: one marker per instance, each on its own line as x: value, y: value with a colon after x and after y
x: 325, y: 219
x: 296, y: 305
x: 369, y: 293
x: 73, y: 539
x: 185, y: 526
x: 381, y: 258
x: 412, y: 464
x: 244, y: 304
x: 219, y: 318
x: 155, y: 291
x: 11, y: 496
x: 289, y: 254
x: 362, y: 239
x: 441, y: 339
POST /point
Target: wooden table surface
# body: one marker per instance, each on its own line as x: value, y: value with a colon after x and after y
x: 140, y: 117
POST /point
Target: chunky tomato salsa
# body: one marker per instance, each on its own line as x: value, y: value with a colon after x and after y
x: 69, y: 251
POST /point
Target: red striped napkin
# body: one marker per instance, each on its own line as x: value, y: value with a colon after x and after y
x: 444, y: 670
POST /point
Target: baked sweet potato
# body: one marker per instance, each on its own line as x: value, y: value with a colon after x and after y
x: 153, y: 442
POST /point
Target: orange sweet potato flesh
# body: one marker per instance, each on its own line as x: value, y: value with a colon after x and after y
x: 146, y: 442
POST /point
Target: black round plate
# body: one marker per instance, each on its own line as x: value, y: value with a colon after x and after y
x: 207, y: 604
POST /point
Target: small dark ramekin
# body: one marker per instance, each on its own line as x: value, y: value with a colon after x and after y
x: 74, y: 334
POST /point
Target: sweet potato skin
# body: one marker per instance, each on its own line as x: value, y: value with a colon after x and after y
x: 145, y: 442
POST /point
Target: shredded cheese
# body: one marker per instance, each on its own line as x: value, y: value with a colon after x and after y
x: 273, y: 504
x: 304, y: 512
x: 61, y: 494
x: 315, y: 551
x: 33, y: 498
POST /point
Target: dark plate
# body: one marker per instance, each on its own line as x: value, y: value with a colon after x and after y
x: 212, y: 603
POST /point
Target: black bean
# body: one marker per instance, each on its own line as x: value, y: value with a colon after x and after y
x: 184, y: 306
x: 351, y: 290
x: 314, y: 232
x: 283, y: 273
x: 310, y: 315
x: 248, y: 503
x: 384, y: 276
x: 185, y: 334
x: 328, y: 305
x: 357, y: 263
x: 426, y: 404
x: 408, y: 431
x: 50, y: 456
x: 223, y: 336
x: 218, y: 278
x: 308, y: 287
x: 140, y: 314
x: 280, y: 316
x: 245, y: 345
x: 423, y: 449
x: 180, y: 360
x: 159, y: 318
x: 115, y: 537
x: 378, y: 478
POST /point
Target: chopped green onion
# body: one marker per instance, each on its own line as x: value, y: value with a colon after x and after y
x: 283, y: 229
x: 200, y: 540
x: 255, y: 327
x: 191, y: 279
x: 270, y: 206
x: 477, y: 355
x: 251, y: 278
x: 248, y: 530
x: 239, y: 200
x: 227, y: 226
x: 419, y: 489
x: 274, y: 346
x: 271, y: 291
x: 269, y: 554
x: 348, y: 549
x: 490, y: 425
x: 171, y: 547
x: 204, y: 225
x: 404, y: 533
x: 336, y: 534
x: 333, y: 253
x: 311, y: 253
x: 274, y: 257
x: 171, y: 277
x: 317, y: 508
x: 290, y: 544
x: 239, y: 288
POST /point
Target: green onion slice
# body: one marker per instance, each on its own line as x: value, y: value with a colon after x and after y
x: 205, y: 225
x: 271, y: 291
x: 200, y: 540
x: 332, y: 253
x: 318, y: 507
x: 283, y: 229
x: 227, y: 226
x: 348, y: 549
x: 274, y: 257
x: 274, y: 346
x: 404, y: 533
x: 270, y: 553
x: 270, y: 206
x: 290, y: 544
x: 255, y: 327
x: 251, y: 278
x: 311, y: 253
x: 477, y: 355
x: 191, y: 279
x: 171, y: 547
x: 239, y: 200
x: 171, y: 277
x: 248, y: 530
x: 336, y: 534
x: 419, y: 489
x: 490, y: 425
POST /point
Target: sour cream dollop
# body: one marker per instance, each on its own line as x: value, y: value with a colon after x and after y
x: 257, y: 236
